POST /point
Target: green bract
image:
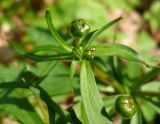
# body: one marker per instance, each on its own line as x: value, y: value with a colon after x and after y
x: 125, y: 106
x: 79, y: 28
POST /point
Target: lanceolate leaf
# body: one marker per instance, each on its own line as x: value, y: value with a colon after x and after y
x: 93, y: 104
x: 48, y: 48
x: 138, y: 117
x: 119, y: 50
x: 53, y: 31
x: 103, y: 29
x: 87, y: 38
x: 83, y: 115
x: 40, y: 58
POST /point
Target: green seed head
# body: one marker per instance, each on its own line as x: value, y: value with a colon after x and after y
x: 125, y: 106
x: 79, y: 28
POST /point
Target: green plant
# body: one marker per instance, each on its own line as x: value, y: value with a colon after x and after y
x: 92, y: 109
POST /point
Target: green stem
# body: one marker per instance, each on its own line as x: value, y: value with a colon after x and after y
x: 77, y: 42
x: 101, y: 75
x: 145, y: 93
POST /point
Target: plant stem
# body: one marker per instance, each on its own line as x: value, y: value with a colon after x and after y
x: 43, y: 110
x: 101, y: 75
x: 145, y: 93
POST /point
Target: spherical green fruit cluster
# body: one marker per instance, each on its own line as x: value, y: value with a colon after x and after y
x: 125, y: 106
x: 79, y: 28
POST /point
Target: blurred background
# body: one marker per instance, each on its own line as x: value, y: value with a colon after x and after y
x: 23, y: 21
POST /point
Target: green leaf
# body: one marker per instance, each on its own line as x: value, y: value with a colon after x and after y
x: 19, y: 49
x: 149, y: 108
x: 136, y: 119
x: 83, y: 114
x: 58, y: 81
x: 48, y: 48
x: 53, y: 31
x: 120, y: 51
x: 40, y: 58
x: 79, y: 110
x: 53, y: 105
x: 103, y: 29
x: 87, y: 38
x: 153, y: 105
x: 152, y: 86
x: 23, y: 112
x: 93, y: 104
x: 72, y: 72
x: 49, y: 113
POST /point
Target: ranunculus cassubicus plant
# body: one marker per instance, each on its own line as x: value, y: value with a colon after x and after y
x: 125, y: 101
